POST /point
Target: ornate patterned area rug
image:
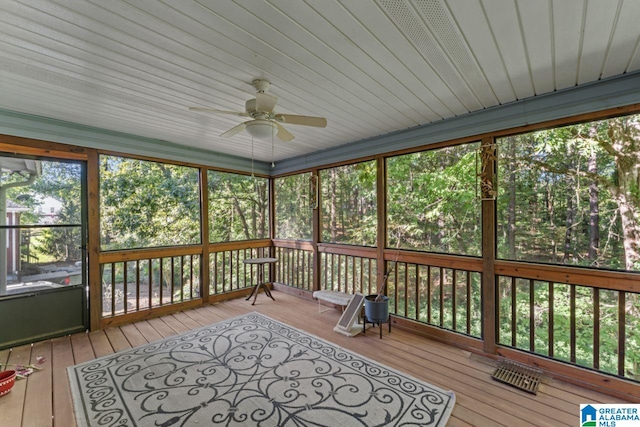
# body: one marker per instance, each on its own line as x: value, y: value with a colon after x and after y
x: 250, y: 371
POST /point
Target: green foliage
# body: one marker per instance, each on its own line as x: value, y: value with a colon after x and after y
x: 586, y: 311
x: 349, y: 208
x: 558, y: 205
x: 147, y: 204
x: 293, y: 199
x: 238, y: 207
x: 61, y: 181
x: 431, y: 201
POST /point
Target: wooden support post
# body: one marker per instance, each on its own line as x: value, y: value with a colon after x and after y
x: 205, y: 278
x: 487, y: 179
x: 93, y: 240
x: 381, y: 244
x: 316, y: 226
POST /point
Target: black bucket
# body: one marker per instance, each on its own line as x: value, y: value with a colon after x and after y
x: 376, y: 312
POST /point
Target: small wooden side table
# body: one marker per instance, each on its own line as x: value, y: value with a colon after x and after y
x: 260, y: 262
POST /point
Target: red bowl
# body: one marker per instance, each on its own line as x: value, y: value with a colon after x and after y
x: 7, y: 379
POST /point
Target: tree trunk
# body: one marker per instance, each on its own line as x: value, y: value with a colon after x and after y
x: 625, y: 139
x: 333, y: 220
x: 238, y: 209
x: 511, y: 207
x: 594, y: 212
x: 570, y: 182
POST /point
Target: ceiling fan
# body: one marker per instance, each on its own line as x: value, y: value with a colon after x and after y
x: 265, y: 121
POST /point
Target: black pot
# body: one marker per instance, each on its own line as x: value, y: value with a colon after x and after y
x: 376, y: 312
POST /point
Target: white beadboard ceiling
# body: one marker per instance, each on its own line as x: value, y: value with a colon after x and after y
x: 369, y: 67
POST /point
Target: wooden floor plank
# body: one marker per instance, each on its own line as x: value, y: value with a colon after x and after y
x: 61, y: 359
x: 133, y: 335
x: 148, y: 331
x: 176, y: 324
x: 117, y: 339
x: 82, y: 350
x: 100, y: 343
x: 162, y: 327
x: 480, y: 401
x: 38, y: 410
x: 12, y: 405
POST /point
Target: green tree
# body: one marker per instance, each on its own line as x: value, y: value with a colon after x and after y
x: 147, y: 204
x: 294, y: 202
x: 238, y: 207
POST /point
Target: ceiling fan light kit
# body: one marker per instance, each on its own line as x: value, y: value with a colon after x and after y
x: 265, y: 121
x: 261, y: 129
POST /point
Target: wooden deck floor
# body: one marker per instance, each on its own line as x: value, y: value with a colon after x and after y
x: 43, y: 399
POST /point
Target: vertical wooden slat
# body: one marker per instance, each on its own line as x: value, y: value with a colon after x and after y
x: 468, y: 303
x: 532, y: 319
x: 182, y: 281
x: 290, y: 266
x: 551, y: 318
x: 303, y: 271
x: 622, y: 298
x: 161, y: 278
x: 596, y: 328
x: 298, y: 267
x: 406, y: 290
x: 361, y: 276
x: 173, y: 278
x: 441, y: 297
x: 237, y: 269
x: 417, y: 296
x: 572, y: 324
x: 150, y: 263
x: 191, y: 276
x: 513, y: 312
x: 215, y: 272
x: 428, y: 294
x: 330, y: 279
x: 137, y: 285
x: 126, y: 283
x: 113, y: 288
x: 454, y: 303
x: 244, y: 267
x: 224, y: 269
x: 395, y: 287
x: 231, y: 270
x: 340, y: 259
x: 323, y: 264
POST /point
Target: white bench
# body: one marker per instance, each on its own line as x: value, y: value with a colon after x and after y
x: 333, y: 297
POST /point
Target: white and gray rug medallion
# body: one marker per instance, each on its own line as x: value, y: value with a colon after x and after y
x: 250, y: 371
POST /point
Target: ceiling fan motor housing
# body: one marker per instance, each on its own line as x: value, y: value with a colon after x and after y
x: 250, y: 105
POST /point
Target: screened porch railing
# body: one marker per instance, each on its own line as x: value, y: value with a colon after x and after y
x: 227, y: 270
x: 438, y: 290
x: 600, y: 332
x: 133, y: 281
x: 444, y: 291
x: 348, y: 269
x: 294, y: 267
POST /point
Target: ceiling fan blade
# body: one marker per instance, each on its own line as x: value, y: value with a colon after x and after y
x: 265, y: 102
x: 283, y: 134
x: 213, y: 110
x: 293, y: 119
x: 234, y: 130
